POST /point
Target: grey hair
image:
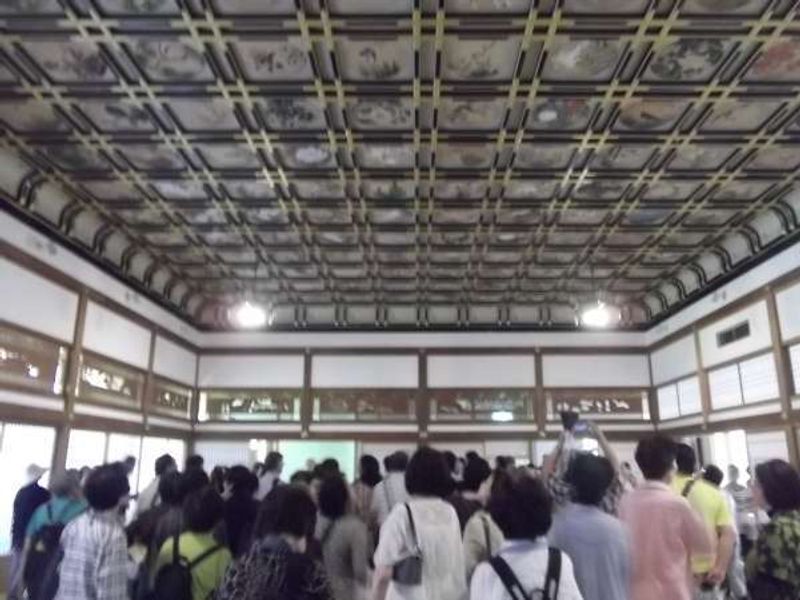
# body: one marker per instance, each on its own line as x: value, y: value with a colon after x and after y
x: 66, y: 484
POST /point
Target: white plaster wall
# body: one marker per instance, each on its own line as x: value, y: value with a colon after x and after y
x: 250, y: 371
x: 596, y: 370
x: 478, y: 371
x: 174, y: 361
x: 112, y: 335
x: 674, y: 360
x: 759, y: 338
x: 365, y: 371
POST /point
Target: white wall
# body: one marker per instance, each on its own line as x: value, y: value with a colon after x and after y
x: 788, y: 302
x: 486, y: 370
x: 174, y: 361
x: 250, y: 371
x: 766, y: 446
x: 365, y: 371
x: 759, y: 338
x: 674, y: 360
x: 112, y: 335
x: 596, y: 370
x: 36, y: 303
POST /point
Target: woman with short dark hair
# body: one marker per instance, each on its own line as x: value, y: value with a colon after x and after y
x: 773, y: 565
x: 241, y: 509
x: 369, y: 475
x: 523, y: 512
x: 425, y: 526
x: 344, y: 539
x: 276, y: 566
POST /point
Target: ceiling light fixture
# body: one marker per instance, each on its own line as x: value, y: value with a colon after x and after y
x: 600, y: 315
x: 251, y: 316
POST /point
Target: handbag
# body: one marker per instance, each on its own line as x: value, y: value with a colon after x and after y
x: 552, y: 579
x: 409, y: 570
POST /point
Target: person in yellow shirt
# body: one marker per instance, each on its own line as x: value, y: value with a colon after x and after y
x: 202, y: 511
x: 710, y: 504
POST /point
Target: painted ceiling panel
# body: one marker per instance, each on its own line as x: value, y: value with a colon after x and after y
x: 406, y: 163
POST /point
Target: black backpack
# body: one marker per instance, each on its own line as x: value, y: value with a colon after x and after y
x: 44, y: 557
x: 174, y: 581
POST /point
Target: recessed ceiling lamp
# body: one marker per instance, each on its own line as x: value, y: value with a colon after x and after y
x: 600, y: 315
x: 251, y: 316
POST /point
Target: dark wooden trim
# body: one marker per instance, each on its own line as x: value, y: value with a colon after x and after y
x: 783, y: 370
x: 422, y: 399
x: 539, y: 397
x: 702, y: 378
x: 249, y: 351
x: 42, y: 336
x: 149, y: 381
x: 306, y: 396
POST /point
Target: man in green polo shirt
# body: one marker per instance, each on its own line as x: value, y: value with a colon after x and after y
x: 710, y: 504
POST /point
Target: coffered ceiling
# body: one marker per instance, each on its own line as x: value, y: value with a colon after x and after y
x: 399, y: 163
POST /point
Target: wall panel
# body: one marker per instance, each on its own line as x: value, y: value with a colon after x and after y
x: 250, y: 371
x: 759, y: 338
x: 485, y: 370
x: 788, y: 302
x: 365, y: 371
x: 674, y: 360
x: 114, y: 336
x: 35, y: 303
x: 596, y: 370
x: 174, y: 361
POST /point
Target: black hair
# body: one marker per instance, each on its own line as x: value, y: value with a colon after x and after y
x: 427, y: 474
x: 333, y: 497
x: 450, y: 459
x: 685, y: 459
x: 195, y: 461
x: 396, y: 461
x: 713, y: 474
x: 129, y: 460
x: 590, y: 477
x: 369, y: 470
x: 475, y: 473
x: 503, y: 462
x: 105, y: 486
x: 202, y: 510
x: 164, y: 463
x: 471, y: 455
x: 780, y: 483
x: 655, y: 456
x: 303, y: 477
x: 242, y: 481
x: 329, y: 467
x: 171, y: 489
x: 217, y: 478
x: 524, y: 510
x: 194, y: 480
x: 287, y: 509
x: 272, y: 462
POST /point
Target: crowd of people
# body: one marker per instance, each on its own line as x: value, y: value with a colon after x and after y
x: 431, y: 526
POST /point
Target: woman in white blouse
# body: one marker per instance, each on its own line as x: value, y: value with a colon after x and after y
x: 438, y: 536
x: 524, y: 514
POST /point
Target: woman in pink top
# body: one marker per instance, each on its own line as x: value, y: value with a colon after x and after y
x: 664, y: 529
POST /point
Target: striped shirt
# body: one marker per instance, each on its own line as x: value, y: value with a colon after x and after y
x: 95, y: 558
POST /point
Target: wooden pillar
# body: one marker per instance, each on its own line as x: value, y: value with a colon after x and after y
x: 70, y: 387
x: 702, y: 378
x: 306, y: 398
x: 423, y: 399
x: 149, y: 383
x: 783, y: 369
x: 540, y: 401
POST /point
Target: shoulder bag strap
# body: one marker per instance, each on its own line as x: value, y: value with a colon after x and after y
x: 176, y: 554
x: 49, y: 513
x: 510, y: 581
x: 552, y: 581
x: 413, y: 527
x: 487, y: 535
x: 688, y: 488
x: 204, y: 556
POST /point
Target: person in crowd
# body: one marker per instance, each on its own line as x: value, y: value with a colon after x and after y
x: 558, y: 464
x: 629, y: 480
x: 149, y: 497
x: 735, y: 580
x: 392, y: 490
x: 241, y: 509
x: 270, y: 475
x: 369, y: 475
x: 451, y: 460
x: 745, y: 510
x: 710, y: 504
x: 596, y: 542
x: 95, y: 548
x: 664, y: 529
x: 276, y: 565
x: 425, y: 524
x: 209, y: 560
x: 129, y: 462
x: 194, y: 462
x: 482, y: 536
x: 523, y: 512
x: 472, y: 497
x: 217, y: 478
x: 194, y: 480
x: 29, y: 497
x: 504, y: 463
x: 302, y: 478
x: 66, y: 503
x: 344, y: 540
x: 166, y: 519
x: 773, y: 565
